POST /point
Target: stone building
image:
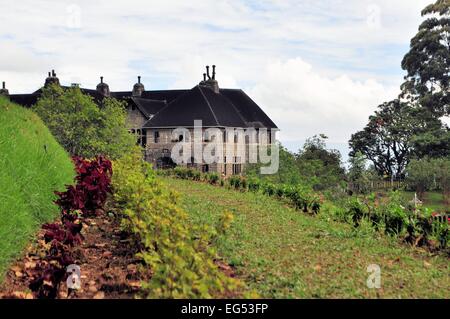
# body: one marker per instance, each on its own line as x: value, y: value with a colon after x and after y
x: 155, y: 115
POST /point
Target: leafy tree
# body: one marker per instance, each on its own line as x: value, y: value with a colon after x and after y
x: 314, y: 166
x: 413, y: 127
x: 320, y: 166
x: 359, y: 176
x: 386, y: 140
x: 287, y: 173
x: 428, y: 61
x: 421, y: 176
x: 81, y: 126
x: 429, y: 174
x: 430, y: 138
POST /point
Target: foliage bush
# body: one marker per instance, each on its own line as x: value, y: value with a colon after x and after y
x: 415, y: 224
x: 81, y: 126
x: 179, y: 253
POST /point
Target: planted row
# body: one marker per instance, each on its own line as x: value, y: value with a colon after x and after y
x: 84, y: 199
x: 180, y: 254
x: 417, y: 225
x: 300, y: 197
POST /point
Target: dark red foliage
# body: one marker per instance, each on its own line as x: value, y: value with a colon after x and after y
x: 86, y: 198
x: 92, y: 188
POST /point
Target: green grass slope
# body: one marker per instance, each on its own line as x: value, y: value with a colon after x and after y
x: 282, y: 253
x: 32, y: 166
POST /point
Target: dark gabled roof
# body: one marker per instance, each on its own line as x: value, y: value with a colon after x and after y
x: 167, y: 95
x: 199, y: 103
x: 228, y: 108
x: 24, y: 99
x: 174, y: 108
x: 250, y: 111
x: 146, y: 106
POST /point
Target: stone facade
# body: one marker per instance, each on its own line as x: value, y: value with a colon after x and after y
x: 135, y: 122
x: 160, y: 143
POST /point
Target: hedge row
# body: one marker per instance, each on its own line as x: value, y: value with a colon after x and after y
x: 300, y: 197
x: 179, y: 253
x: 417, y: 225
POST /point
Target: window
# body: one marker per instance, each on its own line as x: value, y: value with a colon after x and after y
x: 139, y: 137
x: 237, y: 169
x: 156, y: 136
x: 225, y: 165
x: 205, y: 168
x: 191, y: 163
x: 144, y: 138
x: 180, y: 138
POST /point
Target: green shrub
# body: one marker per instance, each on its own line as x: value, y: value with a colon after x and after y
x: 178, y: 252
x: 355, y: 210
x: 212, y: 178
x: 234, y: 182
x: 81, y: 126
x: 254, y: 185
x: 268, y: 189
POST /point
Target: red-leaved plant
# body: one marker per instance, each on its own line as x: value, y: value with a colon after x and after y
x: 84, y: 199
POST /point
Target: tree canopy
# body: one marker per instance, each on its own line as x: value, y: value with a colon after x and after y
x: 412, y: 126
x: 81, y: 126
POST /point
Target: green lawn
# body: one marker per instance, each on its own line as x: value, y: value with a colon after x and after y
x: 32, y: 166
x: 282, y: 253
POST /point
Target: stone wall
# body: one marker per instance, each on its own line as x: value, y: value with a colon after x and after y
x: 135, y: 118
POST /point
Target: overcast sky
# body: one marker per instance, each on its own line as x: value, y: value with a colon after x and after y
x: 314, y: 66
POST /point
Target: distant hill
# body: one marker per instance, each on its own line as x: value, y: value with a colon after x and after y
x: 32, y: 166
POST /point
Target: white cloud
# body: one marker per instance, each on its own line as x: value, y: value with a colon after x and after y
x: 304, y: 103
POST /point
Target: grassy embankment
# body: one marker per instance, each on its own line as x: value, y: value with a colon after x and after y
x: 283, y: 253
x: 32, y: 166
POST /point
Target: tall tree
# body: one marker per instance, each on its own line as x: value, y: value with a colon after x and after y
x: 386, y: 139
x: 428, y: 62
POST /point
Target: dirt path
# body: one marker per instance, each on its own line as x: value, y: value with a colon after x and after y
x: 106, y: 258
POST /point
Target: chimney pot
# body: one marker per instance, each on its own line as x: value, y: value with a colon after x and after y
x: 3, y: 90
x: 101, y: 79
x: 139, y: 79
x: 214, y: 72
x: 207, y: 72
x: 53, y: 73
